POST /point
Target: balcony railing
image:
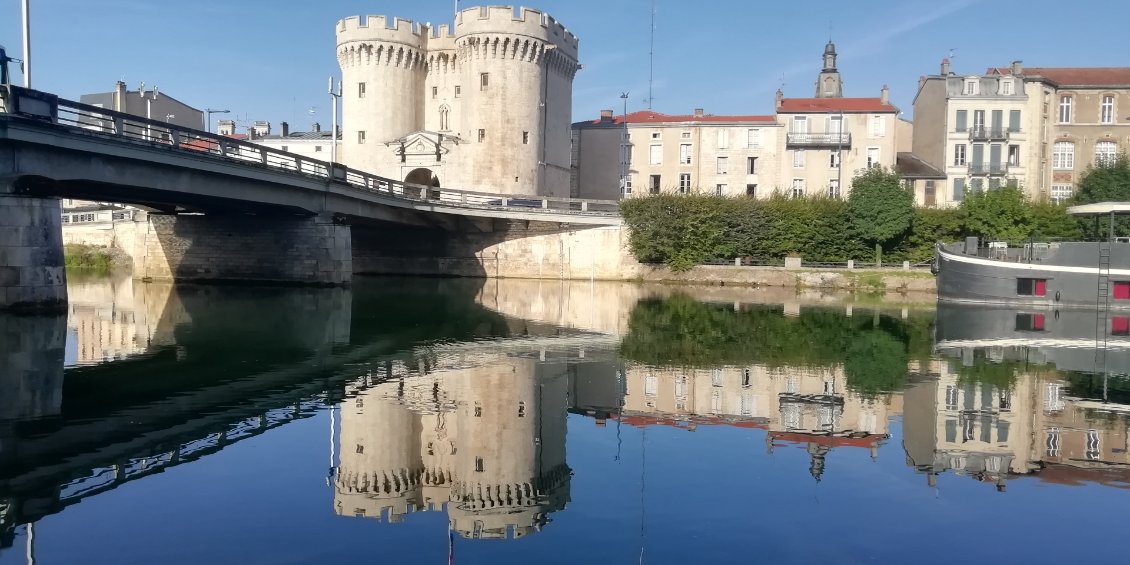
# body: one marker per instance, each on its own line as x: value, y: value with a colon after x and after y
x: 982, y: 133
x: 988, y: 168
x: 841, y: 139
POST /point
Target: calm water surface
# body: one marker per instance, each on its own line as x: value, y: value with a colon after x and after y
x: 441, y: 421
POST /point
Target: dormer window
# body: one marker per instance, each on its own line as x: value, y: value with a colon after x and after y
x: 1006, y: 86
x: 972, y: 87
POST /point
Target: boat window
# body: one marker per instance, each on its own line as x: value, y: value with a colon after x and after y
x: 1031, y: 287
x: 1122, y: 290
x: 1120, y: 325
x: 1029, y: 322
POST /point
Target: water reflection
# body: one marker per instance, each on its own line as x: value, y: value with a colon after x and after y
x: 448, y: 406
x: 484, y: 441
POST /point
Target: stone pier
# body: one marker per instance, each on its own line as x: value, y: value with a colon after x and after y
x: 255, y: 249
x: 32, y: 275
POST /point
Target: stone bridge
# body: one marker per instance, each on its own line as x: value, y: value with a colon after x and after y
x: 225, y: 209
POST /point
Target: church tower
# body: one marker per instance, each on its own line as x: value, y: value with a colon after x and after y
x: 829, y: 85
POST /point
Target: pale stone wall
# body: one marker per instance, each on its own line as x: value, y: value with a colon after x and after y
x: 497, y: 85
x: 32, y: 275
x: 817, y: 171
x: 308, y: 251
x: 32, y: 361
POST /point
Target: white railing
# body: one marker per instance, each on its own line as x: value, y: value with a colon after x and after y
x: 92, y: 120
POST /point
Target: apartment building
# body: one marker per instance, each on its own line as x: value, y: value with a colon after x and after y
x: 660, y: 153
x: 797, y: 151
x: 831, y: 140
x: 1038, y: 128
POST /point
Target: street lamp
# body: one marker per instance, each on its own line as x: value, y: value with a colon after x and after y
x: 624, y: 149
x: 27, y: 43
x: 335, y: 93
x: 208, y: 112
x: 148, y: 107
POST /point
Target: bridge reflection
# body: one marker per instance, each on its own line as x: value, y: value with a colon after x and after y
x: 186, y: 371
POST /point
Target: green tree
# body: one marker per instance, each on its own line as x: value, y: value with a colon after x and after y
x: 999, y: 214
x: 1050, y: 221
x: 1105, y: 182
x: 881, y: 208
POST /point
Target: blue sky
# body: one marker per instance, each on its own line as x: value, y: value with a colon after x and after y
x: 270, y: 59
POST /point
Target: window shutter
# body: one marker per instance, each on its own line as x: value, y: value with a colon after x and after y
x: 998, y: 118
x: 959, y: 188
x: 1014, y: 120
x: 961, y: 119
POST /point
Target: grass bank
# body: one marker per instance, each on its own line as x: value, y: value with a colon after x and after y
x: 92, y: 259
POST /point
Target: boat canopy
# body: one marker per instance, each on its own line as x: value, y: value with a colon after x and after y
x: 1100, y: 209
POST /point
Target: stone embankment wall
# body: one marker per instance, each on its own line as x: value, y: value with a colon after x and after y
x: 32, y: 275
x: 240, y: 248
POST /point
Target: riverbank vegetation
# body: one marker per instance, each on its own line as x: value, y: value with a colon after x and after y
x: 682, y: 231
x: 89, y: 259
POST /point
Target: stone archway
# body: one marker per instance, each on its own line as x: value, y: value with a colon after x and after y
x: 422, y: 176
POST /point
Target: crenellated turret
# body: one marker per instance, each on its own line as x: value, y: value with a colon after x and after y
x: 499, y: 82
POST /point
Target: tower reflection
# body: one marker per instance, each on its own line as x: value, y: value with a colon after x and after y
x: 484, y: 443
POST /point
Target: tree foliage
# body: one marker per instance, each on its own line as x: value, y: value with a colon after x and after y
x: 881, y: 208
x: 1104, y: 182
x: 1000, y: 214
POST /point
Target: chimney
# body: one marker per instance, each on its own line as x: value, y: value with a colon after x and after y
x: 1017, y: 68
x: 946, y: 67
x: 780, y: 98
x: 252, y: 134
x: 285, y: 129
x: 699, y: 112
x: 921, y: 81
x: 316, y: 127
x: 119, y: 95
x: 605, y: 116
x: 885, y: 95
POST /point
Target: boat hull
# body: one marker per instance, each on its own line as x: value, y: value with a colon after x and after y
x: 1068, y: 282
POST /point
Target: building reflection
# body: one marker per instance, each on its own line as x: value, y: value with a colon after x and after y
x: 1007, y: 400
x: 810, y: 407
x: 485, y: 444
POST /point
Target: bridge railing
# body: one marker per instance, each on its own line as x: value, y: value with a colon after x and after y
x: 99, y: 121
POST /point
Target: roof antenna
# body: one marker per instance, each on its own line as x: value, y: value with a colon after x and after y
x: 651, y: 70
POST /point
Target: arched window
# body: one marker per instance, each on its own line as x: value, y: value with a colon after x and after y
x: 1063, y: 155
x: 1105, y: 153
x: 444, y: 115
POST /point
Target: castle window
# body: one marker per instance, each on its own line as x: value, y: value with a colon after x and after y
x: 525, y: 138
x: 444, y: 122
x: 458, y: 90
x: 685, y: 135
x: 360, y: 138
x: 484, y: 81
x: 482, y: 135
x: 479, y: 465
x: 684, y: 183
x: 521, y: 409
x: 653, y: 184
x: 435, y: 91
x: 751, y: 165
x: 360, y: 90
x: 478, y: 410
x: 1106, y: 110
x: 360, y: 448
x: 317, y: 148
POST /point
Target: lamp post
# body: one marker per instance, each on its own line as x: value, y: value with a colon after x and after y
x: 839, y: 157
x: 27, y: 42
x: 335, y: 93
x: 148, y: 107
x: 624, y: 149
x: 208, y: 112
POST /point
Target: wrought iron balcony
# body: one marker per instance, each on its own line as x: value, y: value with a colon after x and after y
x: 841, y: 139
x: 988, y: 168
x: 982, y: 133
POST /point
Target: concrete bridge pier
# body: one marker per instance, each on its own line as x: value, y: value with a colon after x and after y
x: 313, y: 250
x: 32, y: 275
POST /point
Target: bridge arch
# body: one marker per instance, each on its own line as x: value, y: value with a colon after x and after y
x: 423, y: 176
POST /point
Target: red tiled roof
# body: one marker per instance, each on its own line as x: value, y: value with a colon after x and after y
x: 1076, y: 76
x: 830, y: 105
x: 650, y: 117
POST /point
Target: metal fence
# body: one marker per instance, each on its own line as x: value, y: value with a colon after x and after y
x: 93, y: 120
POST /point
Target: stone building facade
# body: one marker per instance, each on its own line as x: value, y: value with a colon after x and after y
x: 809, y: 147
x: 1038, y: 128
x: 485, y: 105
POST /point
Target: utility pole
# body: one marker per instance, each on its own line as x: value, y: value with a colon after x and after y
x: 27, y: 42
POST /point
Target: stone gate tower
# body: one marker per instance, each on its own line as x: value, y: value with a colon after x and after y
x: 486, y: 105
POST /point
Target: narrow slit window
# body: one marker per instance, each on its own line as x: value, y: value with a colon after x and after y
x: 1031, y: 287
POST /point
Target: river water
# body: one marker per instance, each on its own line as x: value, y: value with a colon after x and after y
x: 457, y: 421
